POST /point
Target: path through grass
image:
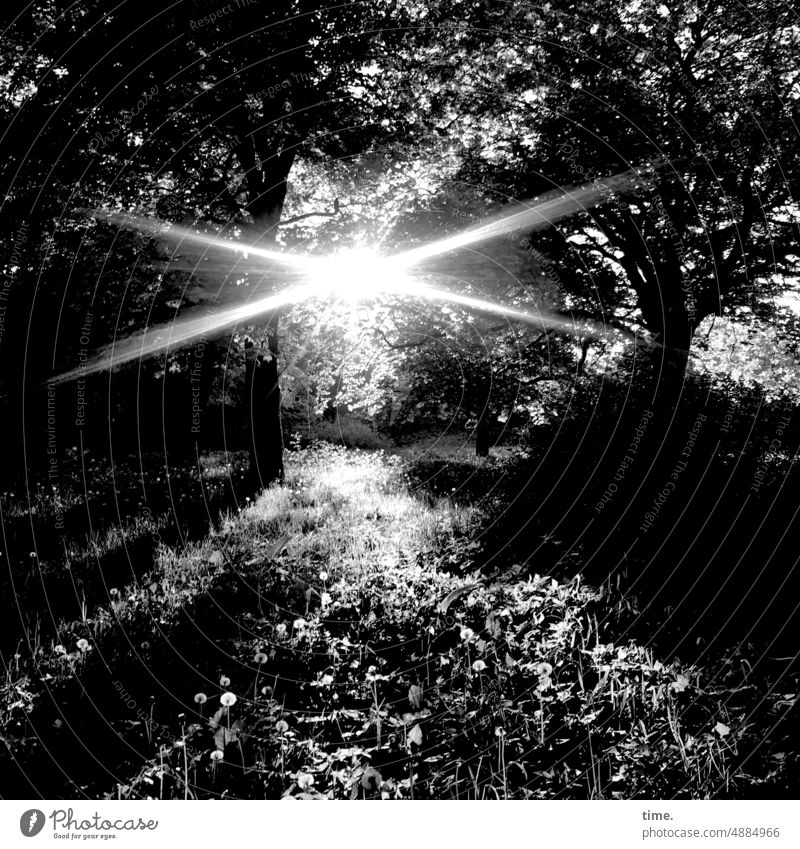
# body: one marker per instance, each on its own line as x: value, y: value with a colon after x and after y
x: 336, y: 640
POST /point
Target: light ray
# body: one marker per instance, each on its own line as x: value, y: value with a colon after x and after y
x: 541, y: 318
x: 181, y: 235
x: 174, y: 335
x: 538, y: 216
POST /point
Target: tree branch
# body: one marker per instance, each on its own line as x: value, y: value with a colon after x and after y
x: 309, y: 215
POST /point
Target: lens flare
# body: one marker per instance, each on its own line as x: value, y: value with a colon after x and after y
x: 354, y: 275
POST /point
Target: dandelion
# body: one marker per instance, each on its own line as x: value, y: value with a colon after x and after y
x: 467, y: 634
x: 113, y: 591
x: 145, y: 645
x: 260, y: 659
x: 200, y: 698
x: 326, y: 680
x: 59, y: 649
x: 478, y: 666
x: 266, y: 691
x: 281, y: 726
x: 323, y: 576
x: 83, y: 645
x: 544, y: 670
x: 299, y: 624
x: 227, y: 700
x: 216, y: 755
x: 325, y: 599
x: 280, y: 630
x: 224, y: 681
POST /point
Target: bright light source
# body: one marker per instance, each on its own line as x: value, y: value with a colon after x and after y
x: 358, y: 275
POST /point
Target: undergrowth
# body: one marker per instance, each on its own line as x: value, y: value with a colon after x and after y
x: 337, y: 639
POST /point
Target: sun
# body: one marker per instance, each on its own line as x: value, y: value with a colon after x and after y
x: 359, y: 274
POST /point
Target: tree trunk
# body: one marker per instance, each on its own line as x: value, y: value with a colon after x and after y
x: 265, y: 442
x: 670, y: 357
x: 483, y: 429
x: 267, y: 170
x: 482, y: 435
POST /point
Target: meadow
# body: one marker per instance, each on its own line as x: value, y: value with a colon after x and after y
x: 347, y: 635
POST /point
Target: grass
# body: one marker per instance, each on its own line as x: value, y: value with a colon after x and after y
x: 337, y: 639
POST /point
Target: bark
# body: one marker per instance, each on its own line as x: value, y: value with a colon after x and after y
x: 483, y: 428
x: 482, y: 436
x: 266, y: 172
x: 262, y: 380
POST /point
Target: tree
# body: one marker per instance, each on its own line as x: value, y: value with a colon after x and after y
x: 572, y: 92
x: 191, y: 114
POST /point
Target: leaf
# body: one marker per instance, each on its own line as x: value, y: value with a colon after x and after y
x: 680, y: 683
x: 415, y: 696
x: 510, y: 660
x: 273, y: 551
x: 493, y: 627
x: 415, y: 736
x: 371, y: 779
x: 456, y: 594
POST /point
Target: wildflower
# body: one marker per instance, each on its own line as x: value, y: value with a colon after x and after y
x: 216, y: 755
x: 299, y: 624
x: 280, y: 629
x: 266, y: 691
x: 304, y: 780
x: 224, y: 681
x: 83, y: 645
x: 478, y: 666
x: 544, y: 670
x: 323, y: 576
x: 200, y: 698
x: 227, y: 699
x: 467, y: 634
x: 326, y: 680
x: 59, y: 649
x: 281, y: 726
x: 145, y: 645
x: 260, y: 657
x: 113, y: 591
x: 325, y: 599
